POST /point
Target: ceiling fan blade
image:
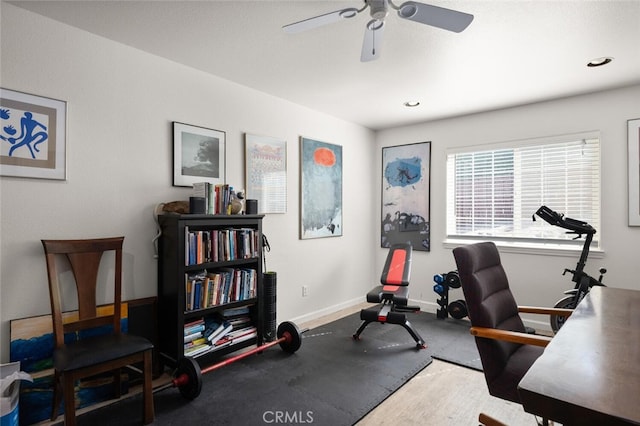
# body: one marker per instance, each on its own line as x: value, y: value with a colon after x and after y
x: 318, y: 21
x: 372, y: 40
x: 435, y: 16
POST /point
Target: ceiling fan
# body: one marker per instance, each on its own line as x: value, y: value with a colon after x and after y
x: 422, y: 13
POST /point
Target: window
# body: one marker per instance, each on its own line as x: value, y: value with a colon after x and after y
x: 493, y: 191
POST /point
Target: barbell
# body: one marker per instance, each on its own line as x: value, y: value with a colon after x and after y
x: 188, y: 374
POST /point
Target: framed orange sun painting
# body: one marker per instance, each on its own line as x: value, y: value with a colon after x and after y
x: 320, y: 189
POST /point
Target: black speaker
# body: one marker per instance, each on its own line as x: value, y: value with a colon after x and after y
x: 251, y: 206
x: 197, y: 205
x: 269, y: 300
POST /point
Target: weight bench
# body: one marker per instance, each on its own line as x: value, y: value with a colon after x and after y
x: 392, y: 295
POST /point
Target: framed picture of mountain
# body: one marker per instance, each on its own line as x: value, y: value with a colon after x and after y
x: 198, y: 155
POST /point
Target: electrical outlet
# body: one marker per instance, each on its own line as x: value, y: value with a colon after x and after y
x: 305, y: 290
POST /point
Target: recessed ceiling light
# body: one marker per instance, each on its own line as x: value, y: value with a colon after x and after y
x: 598, y: 62
x: 411, y: 104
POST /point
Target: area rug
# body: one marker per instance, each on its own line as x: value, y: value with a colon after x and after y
x: 330, y: 380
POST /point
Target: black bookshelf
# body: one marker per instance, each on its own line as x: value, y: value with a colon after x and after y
x: 174, y: 267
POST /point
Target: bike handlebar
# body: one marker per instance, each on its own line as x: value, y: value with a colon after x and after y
x: 558, y: 219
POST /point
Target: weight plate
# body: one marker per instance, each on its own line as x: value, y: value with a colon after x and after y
x: 292, y: 335
x: 458, y: 309
x: 453, y: 279
x: 191, y: 368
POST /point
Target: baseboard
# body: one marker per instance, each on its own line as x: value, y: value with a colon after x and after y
x: 356, y: 303
x: 327, y: 311
x: 537, y: 324
x: 425, y: 306
x: 541, y: 325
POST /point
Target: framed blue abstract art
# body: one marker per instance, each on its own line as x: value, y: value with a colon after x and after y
x: 406, y: 189
x: 320, y: 189
x: 32, y: 136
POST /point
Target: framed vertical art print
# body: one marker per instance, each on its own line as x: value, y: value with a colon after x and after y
x: 320, y: 189
x: 633, y: 135
x: 406, y: 187
x: 266, y: 172
x: 198, y: 155
x: 32, y: 136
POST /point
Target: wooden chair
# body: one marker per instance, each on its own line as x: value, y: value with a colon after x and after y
x: 506, y: 350
x: 486, y: 420
x: 79, y: 357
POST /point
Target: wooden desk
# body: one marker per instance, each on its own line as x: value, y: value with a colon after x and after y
x: 590, y: 373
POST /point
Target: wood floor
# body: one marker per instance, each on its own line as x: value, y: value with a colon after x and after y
x: 442, y: 394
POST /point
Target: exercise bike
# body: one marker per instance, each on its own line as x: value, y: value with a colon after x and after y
x: 584, y: 282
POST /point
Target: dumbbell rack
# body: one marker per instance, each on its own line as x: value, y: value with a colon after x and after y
x: 443, y: 282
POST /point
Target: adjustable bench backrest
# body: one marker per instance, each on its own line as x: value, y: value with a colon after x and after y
x: 397, y: 268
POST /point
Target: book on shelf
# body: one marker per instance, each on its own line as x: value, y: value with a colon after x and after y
x: 197, y: 350
x: 231, y: 312
x: 194, y: 322
x: 193, y: 336
x: 239, y: 321
x: 237, y: 336
x: 244, y: 337
x: 242, y: 332
x: 217, y: 197
x: 194, y: 327
x: 221, y: 344
x: 197, y: 342
x: 220, y: 334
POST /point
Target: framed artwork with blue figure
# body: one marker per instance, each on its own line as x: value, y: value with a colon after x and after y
x: 406, y: 192
x: 32, y: 136
x: 320, y: 189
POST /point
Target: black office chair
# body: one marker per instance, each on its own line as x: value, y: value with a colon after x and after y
x: 506, y: 350
x: 392, y: 296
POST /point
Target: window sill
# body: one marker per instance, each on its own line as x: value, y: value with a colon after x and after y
x: 545, y: 249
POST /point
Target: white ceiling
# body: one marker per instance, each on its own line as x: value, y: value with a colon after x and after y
x: 514, y: 52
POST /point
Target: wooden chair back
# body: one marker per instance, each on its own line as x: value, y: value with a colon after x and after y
x: 84, y: 258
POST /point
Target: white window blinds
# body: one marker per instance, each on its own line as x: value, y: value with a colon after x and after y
x: 493, y: 193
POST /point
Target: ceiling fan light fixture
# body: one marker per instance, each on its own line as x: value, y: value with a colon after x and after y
x: 411, y: 104
x: 378, y: 8
x: 422, y: 13
x: 375, y: 24
x: 598, y: 62
x: 407, y: 10
x: 348, y: 13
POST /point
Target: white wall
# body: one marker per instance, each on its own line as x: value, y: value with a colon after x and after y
x: 535, y: 279
x: 120, y: 105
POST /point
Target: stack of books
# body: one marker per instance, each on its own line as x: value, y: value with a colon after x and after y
x: 195, y: 342
x: 215, y: 332
x: 217, y: 197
